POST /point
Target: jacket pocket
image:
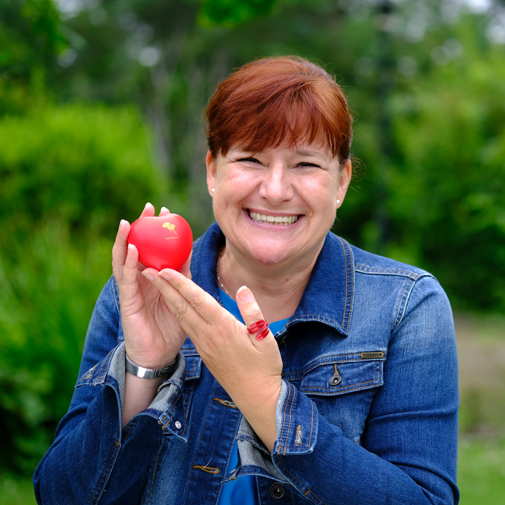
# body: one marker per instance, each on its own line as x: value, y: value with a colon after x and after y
x: 344, y: 373
x: 343, y: 387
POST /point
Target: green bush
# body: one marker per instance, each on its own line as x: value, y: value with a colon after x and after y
x: 68, y: 174
x: 45, y: 303
x: 87, y: 166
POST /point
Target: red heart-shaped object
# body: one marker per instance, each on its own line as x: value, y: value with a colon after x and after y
x: 163, y: 241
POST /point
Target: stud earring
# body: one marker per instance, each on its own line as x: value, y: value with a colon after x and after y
x: 338, y: 202
x: 213, y: 191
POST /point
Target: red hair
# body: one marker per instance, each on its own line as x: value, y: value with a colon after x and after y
x: 275, y: 100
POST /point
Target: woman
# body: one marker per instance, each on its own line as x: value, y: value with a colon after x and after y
x: 349, y: 396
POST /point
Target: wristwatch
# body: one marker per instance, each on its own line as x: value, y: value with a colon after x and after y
x: 150, y: 373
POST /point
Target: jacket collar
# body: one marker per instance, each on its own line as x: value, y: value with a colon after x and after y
x: 329, y: 293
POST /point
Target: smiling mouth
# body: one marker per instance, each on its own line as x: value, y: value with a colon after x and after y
x: 265, y: 218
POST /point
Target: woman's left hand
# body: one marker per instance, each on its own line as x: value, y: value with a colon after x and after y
x: 248, y: 369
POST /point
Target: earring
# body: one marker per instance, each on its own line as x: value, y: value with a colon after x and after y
x: 213, y: 191
x: 338, y: 202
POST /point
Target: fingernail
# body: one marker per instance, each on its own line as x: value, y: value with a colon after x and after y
x: 122, y: 222
x: 165, y: 275
x: 148, y: 204
x: 164, y: 209
x: 244, y: 294
x: 147, y: 275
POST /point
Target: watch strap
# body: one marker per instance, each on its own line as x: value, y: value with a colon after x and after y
x: 150, y: 373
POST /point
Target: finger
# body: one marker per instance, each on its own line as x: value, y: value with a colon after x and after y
x: 119, y: 250
x: 208, y: 308
x: 130, y: 266
x: 148, y: 210
x: 186, y: 268
x: 164, y: 211
x: 189, y: 318
x: 129, y: 287
x: 252, y: 315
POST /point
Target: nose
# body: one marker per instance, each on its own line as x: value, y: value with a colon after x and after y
x: 276, y: 186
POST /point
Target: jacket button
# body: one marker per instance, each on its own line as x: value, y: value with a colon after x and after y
x: 277, y: 490
x: 335, y: 380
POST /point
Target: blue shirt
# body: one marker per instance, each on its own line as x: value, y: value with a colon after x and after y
x: 241, y: 491
x: 367, y: 411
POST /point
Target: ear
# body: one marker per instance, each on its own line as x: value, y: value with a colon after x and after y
x: 211, y: 172
x: 344, y: 181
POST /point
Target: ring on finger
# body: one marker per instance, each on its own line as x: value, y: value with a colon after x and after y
x: 259, y: 328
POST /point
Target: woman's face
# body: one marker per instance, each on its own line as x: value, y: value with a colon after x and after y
x: 276, y: 206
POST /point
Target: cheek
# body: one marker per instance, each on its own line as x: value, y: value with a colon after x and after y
x: 322, y: 194
x: 238, y: 185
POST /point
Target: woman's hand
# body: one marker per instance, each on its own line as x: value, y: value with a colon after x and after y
x: 248, y: 369
x: 153, y: 336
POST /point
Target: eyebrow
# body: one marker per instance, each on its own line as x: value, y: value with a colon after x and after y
x: 307, y: 152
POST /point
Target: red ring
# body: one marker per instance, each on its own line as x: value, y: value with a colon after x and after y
x: 261, y: 328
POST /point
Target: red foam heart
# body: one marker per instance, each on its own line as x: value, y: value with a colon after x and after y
x: 163, y: 241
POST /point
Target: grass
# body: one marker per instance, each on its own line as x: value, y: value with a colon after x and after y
x: 481, y: 471
x: 16, y: 490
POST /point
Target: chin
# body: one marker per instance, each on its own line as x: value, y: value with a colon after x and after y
x: 270, y: 258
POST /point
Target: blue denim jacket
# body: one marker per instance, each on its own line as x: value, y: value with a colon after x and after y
x: 367, y: 412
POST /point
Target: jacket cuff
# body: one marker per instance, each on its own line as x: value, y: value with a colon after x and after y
x: 164, y: 408
x: 297, y: 422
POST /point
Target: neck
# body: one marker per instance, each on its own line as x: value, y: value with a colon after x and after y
x: 278, y: 289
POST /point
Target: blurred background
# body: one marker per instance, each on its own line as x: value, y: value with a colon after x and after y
x: 101, y: 107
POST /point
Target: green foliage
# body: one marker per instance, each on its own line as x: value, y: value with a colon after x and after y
x: 87, y: 166
x: 31, y: 37
x: 481, y: 471
x: 46, y: 299
x: 69, y: 173
x: 44, y: 22
x: 233, y: 12
x: 447, y: 191
x: 15, y: 490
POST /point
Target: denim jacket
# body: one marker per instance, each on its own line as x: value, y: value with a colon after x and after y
x: 367, y: 412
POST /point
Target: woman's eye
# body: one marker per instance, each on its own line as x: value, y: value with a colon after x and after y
x: 250, y: 160
x: 307, y: 164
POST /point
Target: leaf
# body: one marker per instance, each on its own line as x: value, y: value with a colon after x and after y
x: 232, y: 13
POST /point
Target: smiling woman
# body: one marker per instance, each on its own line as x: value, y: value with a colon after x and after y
x: 279, y: 352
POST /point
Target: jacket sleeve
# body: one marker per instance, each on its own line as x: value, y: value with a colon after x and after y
x: 91, y: 454
x: 409, y: 446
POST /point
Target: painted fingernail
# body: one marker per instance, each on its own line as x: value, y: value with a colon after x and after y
x: 244, y: 295
x: 147, y: 275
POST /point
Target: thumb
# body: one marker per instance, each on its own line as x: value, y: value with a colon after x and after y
x: 251, y: 314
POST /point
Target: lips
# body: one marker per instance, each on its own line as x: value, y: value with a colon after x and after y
x: 267, y: 218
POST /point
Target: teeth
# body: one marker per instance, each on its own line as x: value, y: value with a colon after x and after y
x: 263, y: 218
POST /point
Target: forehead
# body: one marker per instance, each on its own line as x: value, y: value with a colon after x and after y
x: 317, y: 148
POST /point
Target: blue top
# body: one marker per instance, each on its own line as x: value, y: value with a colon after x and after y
x: 367, y: 411
x: 241, y: 491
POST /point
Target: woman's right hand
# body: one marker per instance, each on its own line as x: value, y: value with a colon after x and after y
x: 153, y: 335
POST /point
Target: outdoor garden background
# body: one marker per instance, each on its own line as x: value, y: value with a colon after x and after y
x: 101, y: 111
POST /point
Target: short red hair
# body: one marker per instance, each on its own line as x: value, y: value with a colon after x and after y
x: 273, y: 100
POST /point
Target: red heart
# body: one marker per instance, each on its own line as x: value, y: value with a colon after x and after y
x: 163, y: 241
